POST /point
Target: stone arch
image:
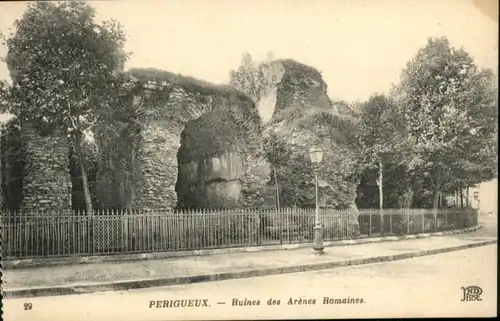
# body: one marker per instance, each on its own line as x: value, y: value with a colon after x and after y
x: 163, y: 109
x: 210, y: 163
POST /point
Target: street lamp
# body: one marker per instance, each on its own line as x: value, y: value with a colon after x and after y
x: 316, y: 155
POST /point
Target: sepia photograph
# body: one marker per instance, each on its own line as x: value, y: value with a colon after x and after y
x: 248, y: 160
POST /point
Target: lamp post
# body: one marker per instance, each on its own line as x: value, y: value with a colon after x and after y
x: 316, y: 155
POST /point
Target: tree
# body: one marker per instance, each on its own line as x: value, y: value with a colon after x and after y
x: 89, y: 155
x: 277, y: 154
x: 250, y: 78
x: 347, y: 109
x: 287, y: 152
x: 63, y: 67
x: 449, y: 108
x: 379, y: 132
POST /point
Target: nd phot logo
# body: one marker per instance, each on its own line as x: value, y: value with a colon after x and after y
x: 471, y: 293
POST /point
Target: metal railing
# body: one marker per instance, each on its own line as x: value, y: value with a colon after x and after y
x: 54, y: 234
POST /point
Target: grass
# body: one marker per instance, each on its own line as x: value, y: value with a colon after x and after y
x: 188, y: 83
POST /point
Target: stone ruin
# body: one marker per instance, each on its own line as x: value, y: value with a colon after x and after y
x: 156, y: 166
x: 185, y: 143
x: 34, y: 170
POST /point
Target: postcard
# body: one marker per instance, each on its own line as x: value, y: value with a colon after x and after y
x: 247, y: 160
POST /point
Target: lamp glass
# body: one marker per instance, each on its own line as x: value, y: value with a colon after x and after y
x: 316, y: 154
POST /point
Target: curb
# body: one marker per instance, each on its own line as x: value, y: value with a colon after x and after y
x: 147, y: 283
x: 30, y: 263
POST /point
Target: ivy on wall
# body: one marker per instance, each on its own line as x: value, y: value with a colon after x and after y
x: 211, y: 135
x: 11, y: 164
x: 210, y: 119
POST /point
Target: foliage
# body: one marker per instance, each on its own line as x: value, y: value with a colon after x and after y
x: 89, y: 155
x: 379, y: 130
x: 290, y: 160
x: 301, y: 85
x: 289, y: 115
x: 296, y: 172
x: 379, y: 134
x: 449, y: 106
x: 436, y: 132
x: 346, y: 109
x: 189, y: 84
x: 397, y: 184
x: 12, y: 164
x: 251, y: 78
x: 299, y: 73
x: 153, y: 104
x: 4, y: 94
x: 61, y: 62
x: 276, y: 150
x: 63, y: 67
x: 340, y: 129
x: 210, y: 135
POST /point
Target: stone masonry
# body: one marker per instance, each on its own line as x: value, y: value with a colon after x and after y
x: 139, y: 168
x: 155, y: 163
x: 46, y: 182
x: 297, y: 93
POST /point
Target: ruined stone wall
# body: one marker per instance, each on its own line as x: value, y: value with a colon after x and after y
x: 299, y: 85
x: 302, y: 116
x: 210, y: 181
x: 156, y: 165
x: 213, y: 165
x: 149, y: 176
x: 46, y: 182
x: 153, y: 165
x: 257, y: 173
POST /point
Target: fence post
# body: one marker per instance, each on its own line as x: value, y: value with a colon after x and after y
x: 280, y: 225
x: 258, y: 228
x: 435, y: 210
x: 95, y: 233
x: 382, y: 222
x: 390, y: 222
x: 286, y: 226
x: 407, y: 221
x: 446, y: 219
x: 370, y: 223
x: 422, y: 211
x: 125, y: 231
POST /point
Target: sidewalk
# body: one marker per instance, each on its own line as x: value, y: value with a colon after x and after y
x: 84, y: 278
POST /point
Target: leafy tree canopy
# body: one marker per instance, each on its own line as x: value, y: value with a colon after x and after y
x: 65, y: 69
x: 380, y: 130
x: 449, y: 108
x: 250, y: 77
x: 62, y: 64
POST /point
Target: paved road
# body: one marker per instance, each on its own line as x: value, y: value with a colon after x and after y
x: 489, y: 226
x: 421, y: 287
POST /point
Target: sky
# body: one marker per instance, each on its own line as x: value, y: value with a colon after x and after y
x: 360, y: 47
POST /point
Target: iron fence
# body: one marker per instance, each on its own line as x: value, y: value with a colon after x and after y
x: 52, y: 234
